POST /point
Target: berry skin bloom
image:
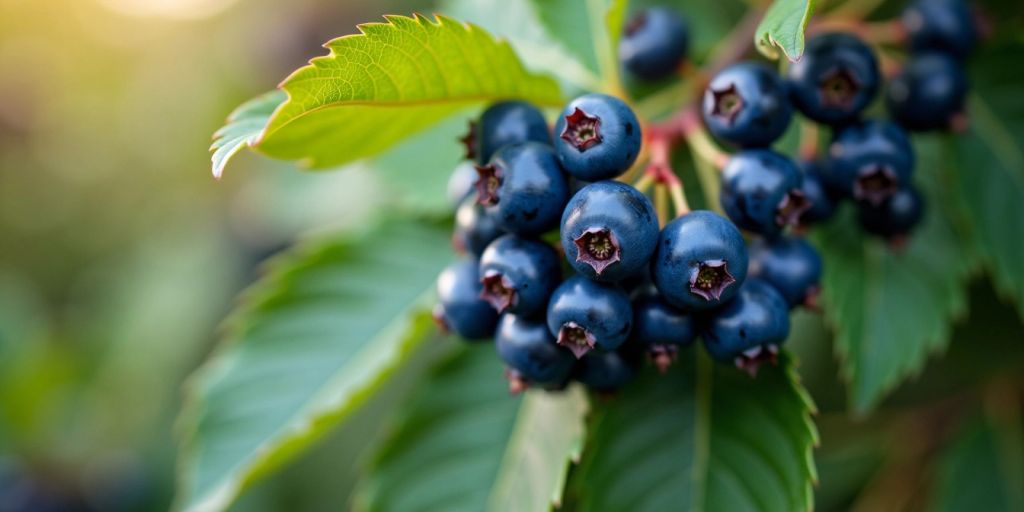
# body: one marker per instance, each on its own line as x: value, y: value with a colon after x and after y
x: 943, y: 25
x: 871, y: 160
x: 609, y: 231
x: 791, y: 265
x: 518, y: 274
x: 896, y: 217
x: 928, y: 93
x: 524, y: 188
x: 654, y: 43
x: 746, y: 105
x: 836, y: 79
x: 818, y: 192
x: 460, y: 308
x: 761, y: 191
x: 661, y: 329
x: 532, y: 354
x: 597, y: 137
x: 585, y: 315
x: 748, y: 331
x: 700, y: 262
x: 502, y: 124
x: 475, y: 228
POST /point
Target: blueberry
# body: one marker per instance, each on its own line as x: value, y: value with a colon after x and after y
x: 894, y: 218
x: 532, y: 354
x: 502, y: 124
x: 609, y: 231
x: 598, y: 137
x: 761, y: 191
x: 791, y: 265
x: 746, y: 104
x: 585, y: 314
x: 518, y: 274
x: 700, y: 262
x: 524, y: 187
x: 475, y: 227
x: 835, y: 80
x: 606, y: 372
x: 460, y: 308
x: 928, y: 93
x: 871, y: 160
x: 944, y: 25
x: 818, y: 191
x: 461, y: 183
x: 661, y: 329
x: 748, y: 330
x: 654, y: 43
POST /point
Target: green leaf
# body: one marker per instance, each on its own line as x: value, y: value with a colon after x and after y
x: 465, y: 444
x: 308, y: 345
x: 702, y: 437
x: 393, y: 80
x: 983, y: 469
x: 243, y: 128
x: 782, y: 28
x: 891, y: 308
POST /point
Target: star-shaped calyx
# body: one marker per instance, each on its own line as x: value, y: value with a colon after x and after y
x: 663, y: 356
x: 469, y: 141
x: 726, y: 103
x: 791, y: 207
x: 598, y: 248
x: 581, y: 130
x: 576, y: 338
x: 838, y: 88
x: 751, y: 359
x: 487, y: 183
x: 498, y: 290
x: 875, y: 184
x: 710, y: 278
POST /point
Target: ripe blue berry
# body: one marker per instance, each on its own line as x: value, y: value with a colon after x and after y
x: 943, y: 25
x: 749, y: 330
x: 761, y: 191
x: 475, y: 228
x: 835, y: 80
x: 518, y: 275
x: 654, y: 43
x: 661, y: 329
x: 791, y: 265
x: 928, y: 93
x: 524, y: 187
x: 460, y: 308
x: 700, y: 262
x: 746, y: 104
x: 461, y: 183
x: 818, y: 192
x: 531, y: 353
x: 871, y: 160
x: 597, y: 137
x: 606, y: 372
x: 609, y: 231
x: 894, y: 218
x: 585, y: 314
x: 502, y: 124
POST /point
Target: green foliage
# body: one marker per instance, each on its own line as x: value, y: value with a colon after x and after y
x: 782, y: 28
x: 464, y: 444
x: 311, y: 341
x: 702, y: 437
x: 243, y: 128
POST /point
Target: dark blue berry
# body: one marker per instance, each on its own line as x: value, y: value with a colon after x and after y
x: 654, y: 43
x: 461, y: 183
x: 609, y: 231
x: 532, y: 354
x: 791, y: 265
x: 700, y: 262
x: 746, y: 104
x: 836, y: 79
x: 894, y: 218
x: 818, y: 192
x: 597, y: 137
x: 748, y: 331
x: 505, y: 123
x: 606, y: 372
x: 475, y: 227
x: 761, y: 191
x: 928, y: 93
x: 585, y: 314
x: 460, y: 308
x: 518, y: 274
x: 943, y: 25
x: 524, y: 187
x: 871, y: 160
x: 661, y: 329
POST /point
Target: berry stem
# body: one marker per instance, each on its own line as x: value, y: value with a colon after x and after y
x: 661, y: 203
x: 644, y: 183
x: 679, y: 203
x: 888, y: 32
x: 699, y: 140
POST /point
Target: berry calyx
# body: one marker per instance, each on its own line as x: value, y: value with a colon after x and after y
x: 530, y: 352
x: 746, y: 105
x: 875, y: 183
x: 791, y: 208
x: 469, y: 143
x: 585, y: 315
x: 576, y: 338
x: 487, y: 184
x: 727, y: 103
x: 761, y: 191
x: 598, y: 137
x: 748, y: 330
x: 838, y: 88
x: 581, y: 130
x: 524, y: 188
x: 835, y: 80
x: 517, y: 274
x: 598, y: 248
x: 498, y: 291
x: 710, y: 278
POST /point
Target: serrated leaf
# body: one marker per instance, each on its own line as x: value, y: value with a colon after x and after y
x: 311, y: 342
x: 702, y: 437
x: 782, y: 28
x: 891, y: 308
x: 393, y: 80
x: 243, y: 128
x: 465, y: 444
x: 983, y: 468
